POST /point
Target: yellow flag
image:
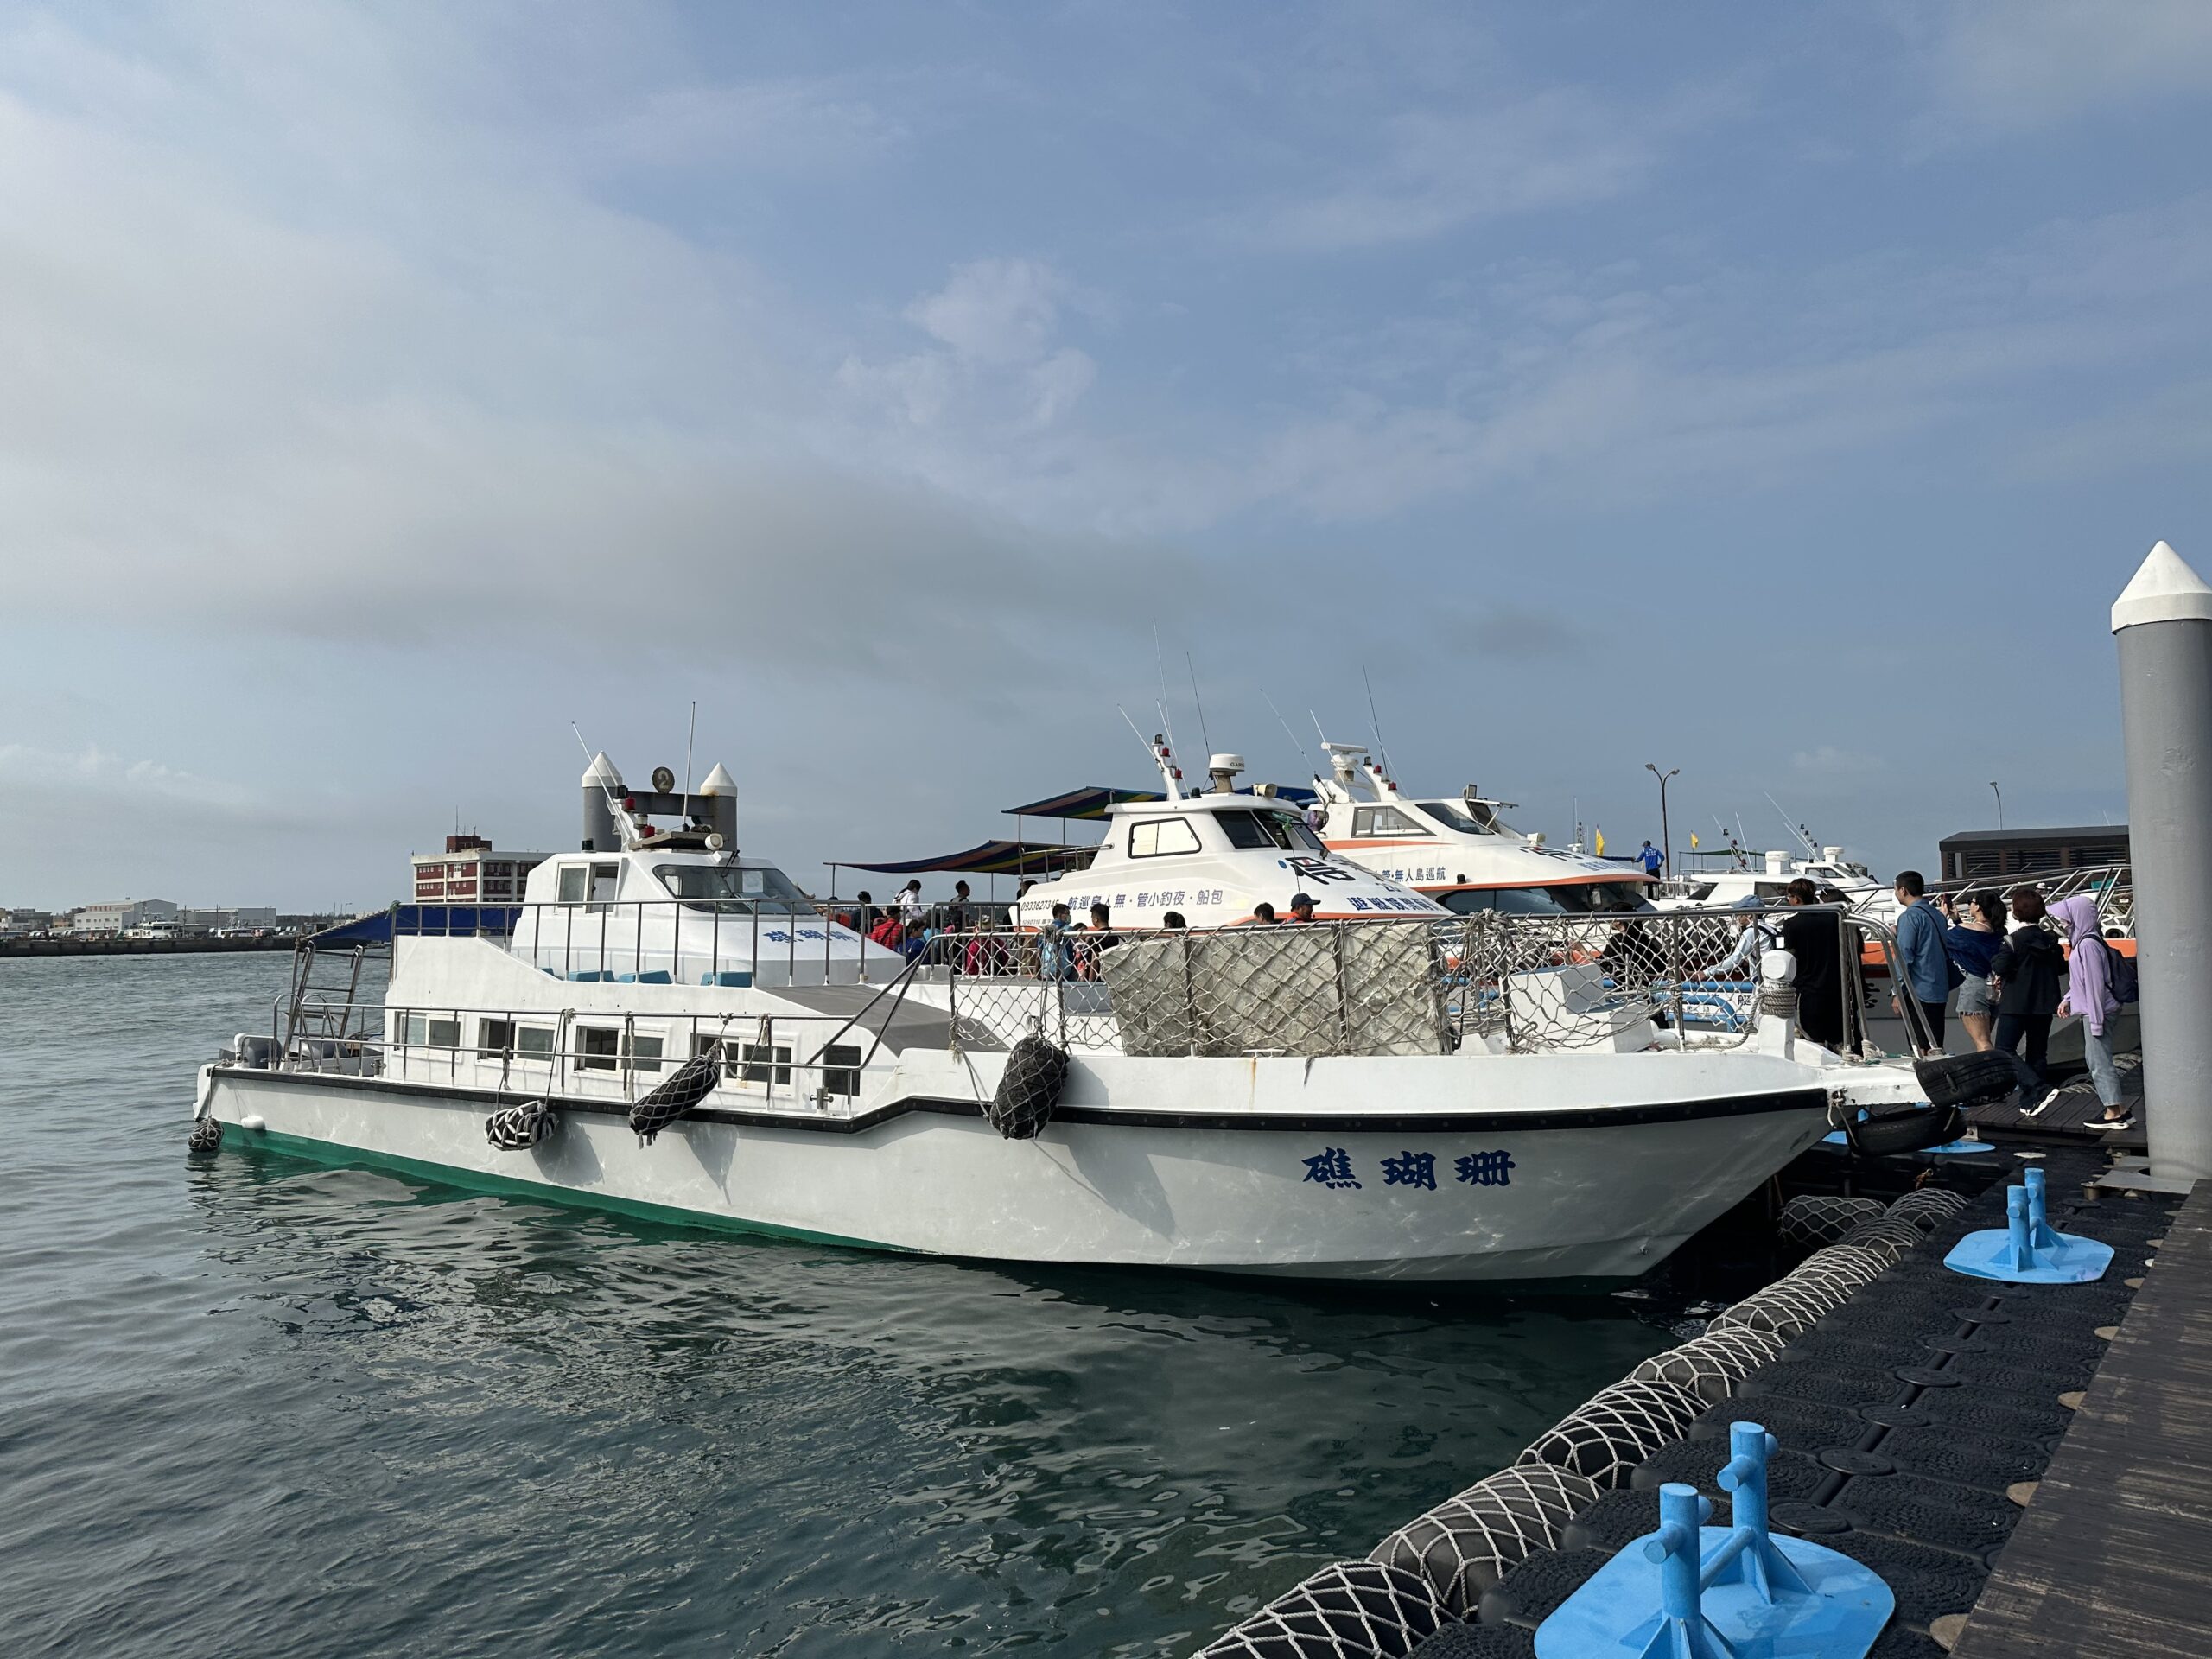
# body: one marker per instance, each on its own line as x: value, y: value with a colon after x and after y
x: 1693, y: 841
x: 1601, y: 843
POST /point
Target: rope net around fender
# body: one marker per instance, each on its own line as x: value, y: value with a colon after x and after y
x: 519, y: 1127
x: 1525, y: 984
x: 1350, y: 1610
x: 1467, y: 1544
x: 693, y: 1081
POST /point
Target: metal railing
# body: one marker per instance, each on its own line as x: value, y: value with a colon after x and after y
x: 1507, y: 984
x: 2111, y: 886
x: 692, y: 941
x: 1489, y: 981
x: 610, y: 1055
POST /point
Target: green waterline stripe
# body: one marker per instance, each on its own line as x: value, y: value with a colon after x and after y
x: 510, y: 1187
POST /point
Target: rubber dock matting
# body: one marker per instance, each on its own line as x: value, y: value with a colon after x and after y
x: 2114, y: 1555
x: 1910, y: 1418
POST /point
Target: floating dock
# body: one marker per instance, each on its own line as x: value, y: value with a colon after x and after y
x: 2027, y: 1467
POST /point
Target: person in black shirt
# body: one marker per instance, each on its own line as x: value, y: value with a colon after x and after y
x: 2025, y: 968
x: 1815, y: 938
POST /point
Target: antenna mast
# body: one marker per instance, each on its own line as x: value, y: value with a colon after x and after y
x: 1382, y: 747
x: 690, y: 739
x: 1287, y: 732
x: 1163, y: 756
x: 1204, y: 736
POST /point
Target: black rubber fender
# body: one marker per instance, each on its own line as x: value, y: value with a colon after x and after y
x: 1029, y: 1089
x: 1910, y: 1130
x: 1978, y: 1079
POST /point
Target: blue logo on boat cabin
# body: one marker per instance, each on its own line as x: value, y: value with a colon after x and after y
x: 1410, y: 1169
x: 1332, y: 1167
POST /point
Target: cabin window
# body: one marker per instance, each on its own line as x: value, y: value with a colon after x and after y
x: 604, y: 879
x: 1384, y: 820
x: 1157, y: 838
x: 494, y: 1038
x: 445, y: 1033
x: 645, y: 1052
x: 418, y: 1030
x: 599, y: 1048
x: 1468, y: 818
x: 572, y: 884
x: 534, y: 1040
x: 841, y: 1073
x: 734, y: 890
x: 763, y: 1062
x: 1260, y: 830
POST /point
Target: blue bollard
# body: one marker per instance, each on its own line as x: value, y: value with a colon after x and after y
x: 2041, y: 1235
x: 1754, y: 1596
x: 2028, y: 1250
x: 2022, y: 1242
x: 1749, y: 1558
x: 1683, y: 1632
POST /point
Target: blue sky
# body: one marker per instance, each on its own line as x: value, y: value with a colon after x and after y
x: 1779, y: 393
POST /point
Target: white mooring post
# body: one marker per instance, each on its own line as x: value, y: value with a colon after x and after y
x: 2163, y: 621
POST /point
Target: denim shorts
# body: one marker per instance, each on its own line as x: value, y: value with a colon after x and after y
x: 1974, y: 997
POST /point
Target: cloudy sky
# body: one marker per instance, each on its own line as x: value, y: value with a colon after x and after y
x: 1781, y: 393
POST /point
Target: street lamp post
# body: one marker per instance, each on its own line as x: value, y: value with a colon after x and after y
x: 1666, y: 837
x: 1999, y: 794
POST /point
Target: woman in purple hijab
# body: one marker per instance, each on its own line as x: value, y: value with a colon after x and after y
x: 2089, y: 992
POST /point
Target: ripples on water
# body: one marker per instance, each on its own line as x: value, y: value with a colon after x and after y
x: 252, y: 1406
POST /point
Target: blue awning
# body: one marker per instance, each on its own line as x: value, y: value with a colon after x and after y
x: 463, y: 921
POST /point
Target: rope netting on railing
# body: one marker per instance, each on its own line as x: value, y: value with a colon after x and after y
x: 1518, y: 983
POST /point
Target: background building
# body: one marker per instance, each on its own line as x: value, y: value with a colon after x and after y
x: 1986, y: 854
x: 470, y: 871
x: 116, y: 916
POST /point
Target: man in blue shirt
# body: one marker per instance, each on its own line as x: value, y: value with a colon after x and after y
x: 1927, y: 964
x: 1652, y: 858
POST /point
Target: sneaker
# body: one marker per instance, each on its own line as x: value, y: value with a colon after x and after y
x: 2127, y: 1122
x: 2041, y: 1103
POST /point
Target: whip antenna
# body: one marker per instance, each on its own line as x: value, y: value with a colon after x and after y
x: 1376, y: 723
x: 1287, y: 732
x: 1202, y: 736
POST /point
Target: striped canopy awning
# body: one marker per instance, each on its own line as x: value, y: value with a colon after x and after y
x: 1092, y: 802
x: 991, y: 858
x: 1096, y: 803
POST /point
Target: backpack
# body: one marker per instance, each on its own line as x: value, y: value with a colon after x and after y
x: 2126, y: 986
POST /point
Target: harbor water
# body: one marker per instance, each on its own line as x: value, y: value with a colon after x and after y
x: 250, y: 1405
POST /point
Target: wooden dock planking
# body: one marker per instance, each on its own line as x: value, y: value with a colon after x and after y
x: 2112, y: 1558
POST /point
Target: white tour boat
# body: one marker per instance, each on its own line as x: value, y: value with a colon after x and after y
x: 1212, y: 858
x: 664, y: 1027
x: 1460, y: 852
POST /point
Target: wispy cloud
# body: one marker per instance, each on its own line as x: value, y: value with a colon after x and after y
x: 2002, y: 67
x: 1441, y: 170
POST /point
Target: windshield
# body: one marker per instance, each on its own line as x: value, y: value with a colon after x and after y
x: 734, y: 890
x: 1260, y: 829
x: 1575, y: 899
x: 1468, y: 821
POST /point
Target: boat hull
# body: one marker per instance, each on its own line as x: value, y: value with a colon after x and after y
x: 1589, y: 1193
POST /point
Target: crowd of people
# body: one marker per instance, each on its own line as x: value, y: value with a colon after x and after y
x: 1956, y: 959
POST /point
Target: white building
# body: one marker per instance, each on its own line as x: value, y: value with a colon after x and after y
x: 116, y: 916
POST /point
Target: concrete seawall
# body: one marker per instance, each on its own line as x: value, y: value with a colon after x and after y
x: 100, y: 947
